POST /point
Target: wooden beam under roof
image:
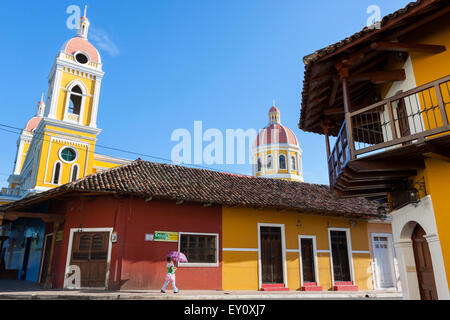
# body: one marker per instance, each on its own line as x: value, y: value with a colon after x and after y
x: 407, y: 47
x: 379, y: 76
x: 46, y: 217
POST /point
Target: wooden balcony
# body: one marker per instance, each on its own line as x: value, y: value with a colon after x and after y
x: 387, y: 142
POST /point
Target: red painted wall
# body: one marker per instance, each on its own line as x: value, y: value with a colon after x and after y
x: 135, y: 263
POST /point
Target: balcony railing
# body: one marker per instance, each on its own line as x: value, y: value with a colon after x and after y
x: 401, y: 120
x: 14, y: 193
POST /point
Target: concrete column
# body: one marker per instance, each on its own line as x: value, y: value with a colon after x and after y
x: 407, y: 269
x: 51, y: 113
x: 440, y: 276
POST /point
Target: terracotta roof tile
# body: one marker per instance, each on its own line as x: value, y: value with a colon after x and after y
x: 172, y: 182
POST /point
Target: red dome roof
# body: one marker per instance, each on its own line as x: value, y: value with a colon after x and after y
x: 276, y: 133
x: 80, y: 44
x: 274, y: 109
x: 33, y: 123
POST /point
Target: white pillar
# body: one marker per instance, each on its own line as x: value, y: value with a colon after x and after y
x: 407, y: 267
x: 98, y: 83
x: 437, y: 260
x: 51, y: 113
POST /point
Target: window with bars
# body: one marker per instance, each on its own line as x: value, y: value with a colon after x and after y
x: 199, y: 248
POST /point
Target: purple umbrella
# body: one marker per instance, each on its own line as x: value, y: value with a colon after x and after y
x: 177, y: 256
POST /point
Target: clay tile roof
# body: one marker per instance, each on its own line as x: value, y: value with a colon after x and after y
x: 173, y: 182
x: 413, y: 12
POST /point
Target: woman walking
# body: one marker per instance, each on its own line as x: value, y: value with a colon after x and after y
x: 170, y: 276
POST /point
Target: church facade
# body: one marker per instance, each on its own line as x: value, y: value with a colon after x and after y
x: 57, y: 145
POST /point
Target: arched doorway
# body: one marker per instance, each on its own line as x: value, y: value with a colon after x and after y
x: 424, y: 266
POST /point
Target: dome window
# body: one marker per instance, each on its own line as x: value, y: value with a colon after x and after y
x: 258, y: 165
x: 282, y: 161
x: 294, y: 162
x: 269, y: 162
x: 81, y: 58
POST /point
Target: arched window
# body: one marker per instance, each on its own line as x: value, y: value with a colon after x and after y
x: 258, y: 165
x: 57, y: 172
x: 269, y: 162
x: 282, y: 161
x: 74, y: 174
x: 76, y: 96
x: 294, y: 163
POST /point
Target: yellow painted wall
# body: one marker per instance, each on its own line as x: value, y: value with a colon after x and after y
x: 427, y: 68
x: 240, y: 230
x: 90, y: 85
x: 431, y: 67
x: 436, y: 174
x: 50, y: 154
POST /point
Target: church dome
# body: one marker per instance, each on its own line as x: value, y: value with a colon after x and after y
x: 276, y: 152
x: 275, y: 132
x: 33, y: 123
x: 79, y: 44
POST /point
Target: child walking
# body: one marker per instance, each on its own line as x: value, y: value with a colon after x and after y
x: 170, y: 276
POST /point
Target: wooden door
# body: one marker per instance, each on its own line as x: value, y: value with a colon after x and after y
x: 403, y: 120
x: 383, y: 262
x: 46, y: 258
x: 308, y: 268
x: 339, y: 251
x: 424, y: 266
x: 90, y: 252
x: 271, y: 255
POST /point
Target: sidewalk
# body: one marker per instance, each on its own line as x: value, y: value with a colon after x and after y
x: 24, y: 290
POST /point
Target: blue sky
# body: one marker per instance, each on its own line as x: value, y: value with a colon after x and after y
x: 169, y: 63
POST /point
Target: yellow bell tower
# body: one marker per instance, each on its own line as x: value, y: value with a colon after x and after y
x: 57, y: 145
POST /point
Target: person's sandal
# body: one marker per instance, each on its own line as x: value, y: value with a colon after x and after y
x: 163, y: 291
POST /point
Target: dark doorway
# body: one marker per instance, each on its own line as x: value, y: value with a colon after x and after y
x: 46, y: 259
x: 271, y: 256
x: 424, y: 266
x: 26, y: 257
x: 339, y: 251
x: 308, y: 267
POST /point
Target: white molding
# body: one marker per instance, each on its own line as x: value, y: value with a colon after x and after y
x: 75, y: 165
x: 349, y: 253
x: 202, y: 264
x: 283, y: 250
x: 94, y: 110
x: 361, y: 251
x: 104, y: 158
x: 316, y: 266
x: 60, y: 172
x: 404, y: 221
x: 51, y: 110
x: 69, y: 251
x: 70, y: 126
x: 241, y: 249
x: 66, y: 147
x: 392, y: 259
x: 68, y: 89
x: 61, y: 62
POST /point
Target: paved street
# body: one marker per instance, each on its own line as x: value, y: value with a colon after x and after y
x: 24, y: 290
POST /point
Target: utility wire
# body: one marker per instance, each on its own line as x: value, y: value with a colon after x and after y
x: 41, y: 137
